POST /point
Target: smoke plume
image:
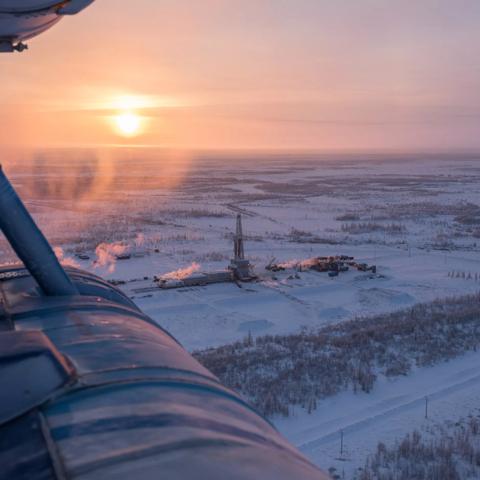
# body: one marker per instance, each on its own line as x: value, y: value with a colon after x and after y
x: 182, y: 272
x: 107, y: 254
x: 139, y: 240
x: 298, y: 264
x: 66, y: 261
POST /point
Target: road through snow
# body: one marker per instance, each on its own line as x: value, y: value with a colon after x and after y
x: 394, y: 408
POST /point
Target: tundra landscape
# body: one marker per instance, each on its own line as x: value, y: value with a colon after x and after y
x: 366, y: 370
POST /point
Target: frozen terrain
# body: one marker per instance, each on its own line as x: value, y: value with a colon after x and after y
x: 417, y: 217
x: 394, y: 409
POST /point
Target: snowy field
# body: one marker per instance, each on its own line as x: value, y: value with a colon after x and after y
x: 416, y: 217
x: 394, y: 409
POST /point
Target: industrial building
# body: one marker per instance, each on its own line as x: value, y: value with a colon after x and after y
x: 197, y: 279
x: 333, y: 265
x: 239, y: 269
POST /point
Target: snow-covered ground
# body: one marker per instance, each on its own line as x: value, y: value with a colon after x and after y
x: 416, y: 217
x: 395, y: 408
x: 221, y: 313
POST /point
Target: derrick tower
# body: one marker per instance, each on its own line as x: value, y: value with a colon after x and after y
x: 238, y: 250
x: 241, y: 268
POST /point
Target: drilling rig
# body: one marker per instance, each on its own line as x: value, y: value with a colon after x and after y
x: 90, y: 386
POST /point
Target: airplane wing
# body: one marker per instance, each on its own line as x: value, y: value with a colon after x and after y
x: 21, y: 20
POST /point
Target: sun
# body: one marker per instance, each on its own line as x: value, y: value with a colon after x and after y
x: 128, y: 124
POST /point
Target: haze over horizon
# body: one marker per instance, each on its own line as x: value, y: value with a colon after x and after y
x: 265, y: 74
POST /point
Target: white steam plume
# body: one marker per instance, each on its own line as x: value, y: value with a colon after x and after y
x: 182, y: 273
x: 107, y: 255
x: 66, y: 261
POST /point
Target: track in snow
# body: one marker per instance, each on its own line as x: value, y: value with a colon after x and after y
x: 393, y: 409
x: 386, y: 409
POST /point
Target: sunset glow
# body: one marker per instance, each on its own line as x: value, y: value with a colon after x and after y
x: 239, y: 239
x: 128, y: 124
x: 306, y: 74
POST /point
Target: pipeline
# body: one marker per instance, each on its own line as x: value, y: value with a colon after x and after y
x: 29, y: 243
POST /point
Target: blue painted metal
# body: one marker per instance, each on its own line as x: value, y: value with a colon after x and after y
x: 92, y: 388
x: 138, y: 405
x: 31, y: 368
x: 74, y: 6
x: 29, y: 243
x: 21, y: 20
x: 111, y: 395
x: 23, y: 451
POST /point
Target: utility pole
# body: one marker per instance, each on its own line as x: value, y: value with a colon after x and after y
x: 341, y: 443
x: 426, y: 407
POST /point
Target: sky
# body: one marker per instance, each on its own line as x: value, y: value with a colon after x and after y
x: 250, y: 74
